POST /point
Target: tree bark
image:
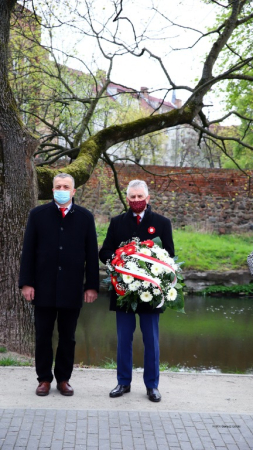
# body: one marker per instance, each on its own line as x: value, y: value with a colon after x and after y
x: 18, y: 195
x: 82, y: 168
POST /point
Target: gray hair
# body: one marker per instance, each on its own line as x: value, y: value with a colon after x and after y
x: 64, y: 175
x: 137, y: 184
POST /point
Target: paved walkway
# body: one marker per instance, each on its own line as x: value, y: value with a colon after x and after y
x: 139, y: 430
x: 197, y: 412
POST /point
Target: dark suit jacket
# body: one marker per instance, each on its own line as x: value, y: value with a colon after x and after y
x: 58, y: 255
x: 123, y: 228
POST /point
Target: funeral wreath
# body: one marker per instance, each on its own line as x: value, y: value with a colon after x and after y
x: 145, y: 272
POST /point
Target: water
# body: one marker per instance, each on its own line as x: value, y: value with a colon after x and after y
x: 215, y: 334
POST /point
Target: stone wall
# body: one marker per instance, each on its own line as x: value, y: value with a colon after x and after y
x: 209, y: 199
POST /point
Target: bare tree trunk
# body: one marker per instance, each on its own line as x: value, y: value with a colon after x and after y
x: 17, y: 196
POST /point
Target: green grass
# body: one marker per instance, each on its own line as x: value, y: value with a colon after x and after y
x: 111, y: 364
x: 205, y: 251
x: 101, y: 232
x: 14, y: 362
x: 164, y: 367
x: 3, y: 350
x: 108, y: 363
x: 238, y: 289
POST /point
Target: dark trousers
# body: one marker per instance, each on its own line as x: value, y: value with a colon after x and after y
x: 64, y: 360
x: 149, y: 324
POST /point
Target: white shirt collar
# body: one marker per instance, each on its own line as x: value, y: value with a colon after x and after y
x: 139, y: 214
x: 68, y: 207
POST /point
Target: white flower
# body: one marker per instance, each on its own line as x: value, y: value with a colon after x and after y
x: 172, y: 263
x: 146, y: 296
x: 127, y: 279
x: 134, y: 286
x: 156, y: 291
x: 166, y: 259
x: 146, y: 251
x: 167, y: 269
x: 142, y: 272
x: 172, y: 295
x: 157, y: 280
x: 159, y: 251
x: 163, y: 255
x: 156, y: 269
x: 131, y: 265
x: 145, y: 284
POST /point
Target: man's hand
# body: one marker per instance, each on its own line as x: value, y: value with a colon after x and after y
x: 28, y: 293
x: 90, y: 296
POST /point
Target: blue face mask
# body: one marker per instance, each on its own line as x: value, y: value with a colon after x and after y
x: 61, y: 197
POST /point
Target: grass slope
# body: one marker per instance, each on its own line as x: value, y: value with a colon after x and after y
x: 203, y: 251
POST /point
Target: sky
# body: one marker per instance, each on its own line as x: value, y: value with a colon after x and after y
x: 169, y: 32
x: 183, y: 65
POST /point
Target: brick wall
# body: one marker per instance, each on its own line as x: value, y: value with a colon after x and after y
x: 211, y: 199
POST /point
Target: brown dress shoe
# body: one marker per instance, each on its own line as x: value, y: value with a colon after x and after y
x: 43, y: 388
x: 65, y: 388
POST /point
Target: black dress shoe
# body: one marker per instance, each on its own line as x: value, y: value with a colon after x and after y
x: 153, y: 395
x: 120, y: 390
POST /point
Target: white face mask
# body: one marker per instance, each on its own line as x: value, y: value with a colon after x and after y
x: 61, y: 197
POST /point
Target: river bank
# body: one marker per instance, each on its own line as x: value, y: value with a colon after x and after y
x: 196, y: 280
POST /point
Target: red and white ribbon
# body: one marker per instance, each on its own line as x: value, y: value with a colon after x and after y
x: 152, y: 260
x: 148, y: 278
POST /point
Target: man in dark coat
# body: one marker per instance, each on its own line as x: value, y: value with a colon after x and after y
x: 59, y: 270
x: 140, y: 221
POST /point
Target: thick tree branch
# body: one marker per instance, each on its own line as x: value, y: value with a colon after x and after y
x: 91, y: 150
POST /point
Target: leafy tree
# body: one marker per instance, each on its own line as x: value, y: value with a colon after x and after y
x: 238, y: 90
x: 18, y: 184
x: 55, y: 101
x: 240, y: 97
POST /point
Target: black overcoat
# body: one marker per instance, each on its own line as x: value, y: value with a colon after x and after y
x: 124, y: 227
x: 60, y: 256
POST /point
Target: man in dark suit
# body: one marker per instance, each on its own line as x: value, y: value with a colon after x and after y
x: 140, y: 221
x: 59, y: 269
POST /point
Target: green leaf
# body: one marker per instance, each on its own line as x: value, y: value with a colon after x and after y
x: 121, y: 297
x: 180, y: 277
x: 178, y: 304
x: 134, y: 306
x: 142, y: 264
x: 157, y: 241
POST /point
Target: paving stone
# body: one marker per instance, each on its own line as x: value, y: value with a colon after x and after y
x: 123, y: 430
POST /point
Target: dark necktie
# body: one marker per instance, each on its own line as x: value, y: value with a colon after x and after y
x: 63, y: 211
x: 138, y: 219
